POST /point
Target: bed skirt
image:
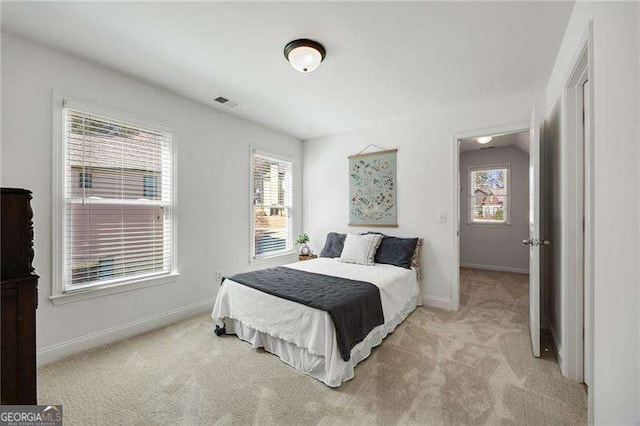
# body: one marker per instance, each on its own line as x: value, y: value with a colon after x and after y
x: 331, y: 369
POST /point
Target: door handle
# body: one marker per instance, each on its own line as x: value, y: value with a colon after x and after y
x: 527, y: 242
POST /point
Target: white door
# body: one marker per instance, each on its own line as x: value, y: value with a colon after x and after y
x: 534, y: 241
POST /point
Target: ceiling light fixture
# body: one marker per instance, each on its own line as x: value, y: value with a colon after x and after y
x: 484, y: 139
x: 304, y: 55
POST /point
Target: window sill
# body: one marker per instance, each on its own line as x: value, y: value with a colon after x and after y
x: 109, y: 289
x: 489, y: 224
x: 270, y: 259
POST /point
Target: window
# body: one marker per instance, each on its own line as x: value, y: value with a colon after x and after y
x: 85, y: 179
x: 150, y: 186
x: 116, y: 225
x: 271, y: 203
x: 489, y: 195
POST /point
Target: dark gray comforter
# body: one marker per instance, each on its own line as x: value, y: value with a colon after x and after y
x: 354, y: 306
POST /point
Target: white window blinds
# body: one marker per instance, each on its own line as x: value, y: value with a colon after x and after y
x: 118, y: 194
x: 272, y: 203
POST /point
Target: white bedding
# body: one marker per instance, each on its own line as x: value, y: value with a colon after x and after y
x: 304, y: 337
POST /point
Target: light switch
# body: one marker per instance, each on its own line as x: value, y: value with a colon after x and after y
x: 442, y: 217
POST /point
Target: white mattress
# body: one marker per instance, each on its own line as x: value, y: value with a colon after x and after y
x: 304, y: 337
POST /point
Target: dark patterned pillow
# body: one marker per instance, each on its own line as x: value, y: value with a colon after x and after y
x: 334, y: 245
x: 415, y: 260
x: 402, y: 252
x: 396, y: 251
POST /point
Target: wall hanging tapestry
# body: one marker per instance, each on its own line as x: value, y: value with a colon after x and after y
x: 372, y: 189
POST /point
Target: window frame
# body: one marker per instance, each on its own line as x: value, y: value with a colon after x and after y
x: 59, y: 294
x: 252, y: 245
x: 490, y: 223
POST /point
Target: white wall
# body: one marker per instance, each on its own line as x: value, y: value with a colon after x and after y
x: 425, y: 175
x: 213, y: 190
x: 614, y: 387
x: 497, y: 247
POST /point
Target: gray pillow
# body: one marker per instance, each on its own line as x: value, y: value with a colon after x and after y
x: 395, y: 251
x: 334, y: 245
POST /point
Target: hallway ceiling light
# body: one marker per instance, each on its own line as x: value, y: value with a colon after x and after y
x: 484, y: 139
x: 304, y: 55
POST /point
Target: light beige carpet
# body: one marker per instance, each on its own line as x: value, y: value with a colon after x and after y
x: 470, y: 367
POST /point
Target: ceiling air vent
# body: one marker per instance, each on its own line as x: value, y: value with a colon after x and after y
x: 488, y: 147
x: 230, y: 103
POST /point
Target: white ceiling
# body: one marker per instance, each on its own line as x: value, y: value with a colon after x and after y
x: 384, y: 60
x: 520, y: 140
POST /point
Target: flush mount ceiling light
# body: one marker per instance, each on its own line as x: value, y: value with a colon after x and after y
x: 304, y: 55
x: 484, y: 139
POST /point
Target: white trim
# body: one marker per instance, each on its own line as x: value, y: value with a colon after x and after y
x: 438, y: 302
x: 175, y: 267
x: 92, y: 292
x: 455, y: 200
x: 269, y: 257
x: 289, y: 257
x: 57, y: 195
x: 589, y: 226
x: 557, y: 343
x: 59, y: 350
x: 60, y: 295
x: 455, y: 225
x: 495, y: 268
x: 498, y: 130
x: 489, y: 224
x: 576, y: 180
x: 507, y: 219
x: 252, y: 240
x: 572, y: 187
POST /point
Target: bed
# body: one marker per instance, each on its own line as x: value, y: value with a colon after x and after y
x: 305, y: 337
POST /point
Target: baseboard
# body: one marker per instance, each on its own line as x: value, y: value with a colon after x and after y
x: 437, y: 302
x: 495, y: 268
x: 60, y: 350
x: 557, y: 343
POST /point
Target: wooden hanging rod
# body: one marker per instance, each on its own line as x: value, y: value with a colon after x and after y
x: 386, y: 151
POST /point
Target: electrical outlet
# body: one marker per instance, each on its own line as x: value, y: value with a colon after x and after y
x: 218, y: 276
x: 442, y: 217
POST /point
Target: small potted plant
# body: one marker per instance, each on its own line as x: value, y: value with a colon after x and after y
x: 304, y: 249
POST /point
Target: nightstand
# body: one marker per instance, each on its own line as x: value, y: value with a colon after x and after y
x: 307, y: 257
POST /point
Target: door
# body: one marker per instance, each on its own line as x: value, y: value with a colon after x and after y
x: 534, y: 241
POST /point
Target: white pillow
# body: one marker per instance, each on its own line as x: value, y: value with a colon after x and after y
x: 360, y: 249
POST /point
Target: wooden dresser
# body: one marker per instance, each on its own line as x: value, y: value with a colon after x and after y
x: 19, y: 299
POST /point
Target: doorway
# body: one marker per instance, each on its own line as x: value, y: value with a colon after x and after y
x: 457, y: 218
x: 489, y: 221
